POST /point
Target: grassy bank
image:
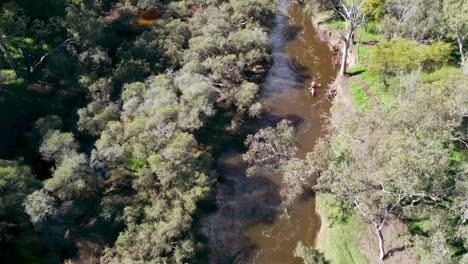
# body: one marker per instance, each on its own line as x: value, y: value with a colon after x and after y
x: 392, y: 87
x: 339, y: 238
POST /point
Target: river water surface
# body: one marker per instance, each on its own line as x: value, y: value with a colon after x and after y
x: 247, y: 226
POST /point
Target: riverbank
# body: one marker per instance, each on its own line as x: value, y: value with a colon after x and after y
x: 351, y: 240
x: 337, y: 240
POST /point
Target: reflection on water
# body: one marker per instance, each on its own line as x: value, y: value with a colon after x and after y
x: 247, y: 227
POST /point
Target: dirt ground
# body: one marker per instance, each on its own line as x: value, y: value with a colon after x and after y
x: 394, y: 244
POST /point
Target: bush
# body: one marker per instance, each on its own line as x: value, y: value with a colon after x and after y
x: 395, y: 56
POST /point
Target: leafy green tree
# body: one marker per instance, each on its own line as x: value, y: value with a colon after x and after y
x: 269, y: 148
x: 395, y: 160
x: 353, y: 13
x: 309, y: 255
x: 375, y: 8
x: 251, y: 10
x: 39, y: 205
x: 84, y: 24
x: 296, y: 175
x: 16, y: 182
x: 72, y: 178
x: 71, y: 181
x: 13, y: 24
x: 245, y: 95
x: 47, y: 125
x: 454, y: 13
x: 56, y: 145
x: 95, y: 116
x: 390, y: 58
x: 413, y: 20
x: 151, y: 145
x: 272, y: 150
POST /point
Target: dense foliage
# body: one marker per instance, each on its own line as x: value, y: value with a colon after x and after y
x: 398, y: 144
x: 406, y: 159
x: 101, y: 103
x: 109, y: 111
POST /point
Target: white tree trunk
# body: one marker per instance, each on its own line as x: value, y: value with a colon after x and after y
x: 460, y: 47
x: 378, y: 232
x: 345, y: 50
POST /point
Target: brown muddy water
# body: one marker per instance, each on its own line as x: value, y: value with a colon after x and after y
x: 248, y: 226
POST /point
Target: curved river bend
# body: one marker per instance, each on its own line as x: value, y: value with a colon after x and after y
x: 248, y: 227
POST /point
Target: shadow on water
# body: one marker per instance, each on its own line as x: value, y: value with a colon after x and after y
x: 270, y: 119
x: 246, y: 226
x: 241, y: 201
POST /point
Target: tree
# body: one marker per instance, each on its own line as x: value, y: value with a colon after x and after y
x: 271, y: 151
x: 455, y: 19
x: 40, y: 206
x: 395, y: 161
x: 12, y: 23
x: 57, y: 145
x: 94, y: 117
x: 245, y: 95
x: 376, y: 8
x: 353, y: 13
x: 296, y: 175
x: 414, y: 20
x: 309, y: 255
x: 16, y: 182
x: 84, y: 24
x: 252, y: 10
x: 71, y: 179
x: 155, y: 146
x: 270, y: 148
x: 390, y: 58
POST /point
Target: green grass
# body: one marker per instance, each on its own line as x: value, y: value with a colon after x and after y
x: 339, y: 243
x: 364, y: 53
x: 335, y: 25
x: 359, y: 97
x: 376, y: 86
x: 368, y: 33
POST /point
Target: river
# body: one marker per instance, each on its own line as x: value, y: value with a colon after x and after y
x: 247, y: 226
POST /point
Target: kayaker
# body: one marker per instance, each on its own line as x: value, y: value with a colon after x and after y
x: 313, y: 88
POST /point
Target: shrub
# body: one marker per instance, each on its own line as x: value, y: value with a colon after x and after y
x: 392, y: 57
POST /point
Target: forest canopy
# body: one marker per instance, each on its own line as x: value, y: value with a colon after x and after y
x: 113, y: 113
x: 101, y: 102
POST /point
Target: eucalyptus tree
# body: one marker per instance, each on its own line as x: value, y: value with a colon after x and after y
x: 355, y: 15
x: 454, y: 16
x: 272, y: 150
x: 16, y: 182
x: 71, y: 179
x: 309, y: 255
x: 414, y: 20
x: 13, y: 23
x: 154, y: 145
x: 395, y: 161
